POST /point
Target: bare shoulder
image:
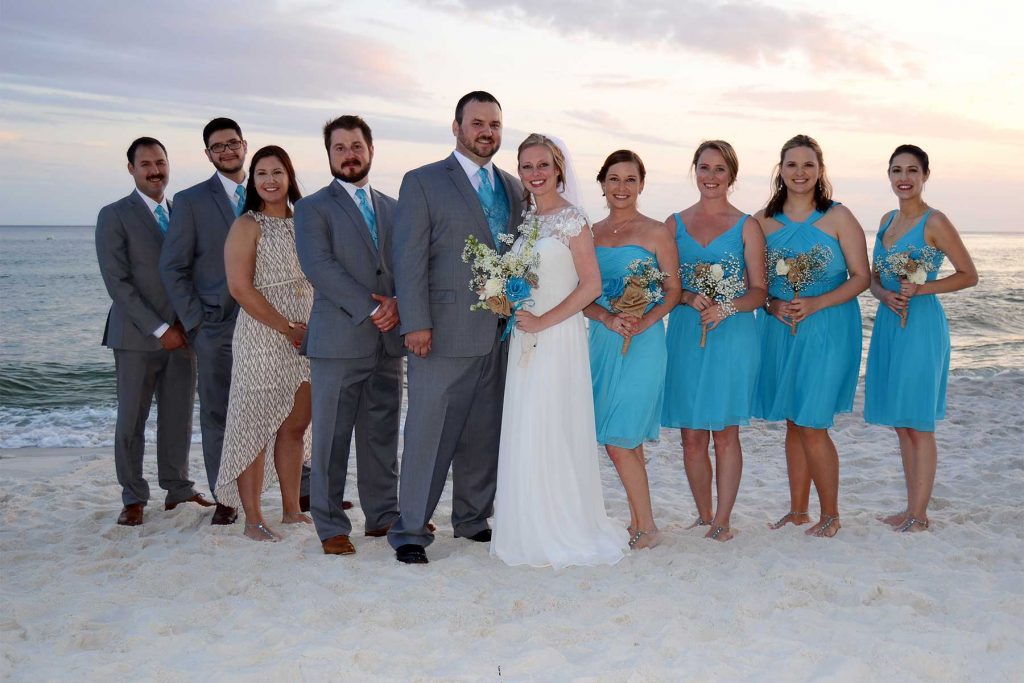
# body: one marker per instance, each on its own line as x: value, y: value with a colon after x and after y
x: 766, y: 223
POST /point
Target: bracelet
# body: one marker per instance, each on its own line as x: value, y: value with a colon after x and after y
x: 768, y: 304
x: 725, y: 309
x: 291, y: 325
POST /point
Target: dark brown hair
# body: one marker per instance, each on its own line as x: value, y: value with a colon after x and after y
x: 621, y: 156
x: 253, y: 201
x: 916, y: 152
x: 347, y: 122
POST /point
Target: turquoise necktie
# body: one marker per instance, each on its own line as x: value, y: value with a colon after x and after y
x: 364, y: 208
x: 489, y: 200
x: 162, y: 218
x: 239, y: 200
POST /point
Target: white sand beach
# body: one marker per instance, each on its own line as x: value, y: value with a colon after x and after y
x: 177, y: 599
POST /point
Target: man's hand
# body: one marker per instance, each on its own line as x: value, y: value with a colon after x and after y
x: 386, y: 317
x: 419, y: 342
x: 173, y: 338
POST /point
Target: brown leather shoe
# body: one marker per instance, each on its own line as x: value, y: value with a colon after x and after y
x: 346, y: 505
x: 131, y: 515
x: 224, y: 515
x: 338, y: 545
x: 197, y: 499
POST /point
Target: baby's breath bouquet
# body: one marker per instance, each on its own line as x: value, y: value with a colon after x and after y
x: 800, y: 270
x: 639, y: 289
x: 503, y: 282
x: 912, y: 266
x: 721, y: 282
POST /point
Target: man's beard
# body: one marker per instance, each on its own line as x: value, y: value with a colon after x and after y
x: 470, y: 144
x: 228, y: 170
x: 353, y: 176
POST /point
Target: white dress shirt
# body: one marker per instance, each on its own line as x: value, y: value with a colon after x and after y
x: 472, y: 170
x: 230, y: 186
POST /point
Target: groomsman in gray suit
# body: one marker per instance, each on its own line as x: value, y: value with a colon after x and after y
x: 192, y: 267
x: 343, y: 236
x: 457, y: 361
x: 151, y: 354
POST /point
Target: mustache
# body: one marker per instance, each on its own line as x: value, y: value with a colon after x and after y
x: 157, y: 176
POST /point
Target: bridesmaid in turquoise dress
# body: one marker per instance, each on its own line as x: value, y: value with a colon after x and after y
x: 811, y: 340
x: 628, y: 388
x: 709, y: 390
x: 908, y: 360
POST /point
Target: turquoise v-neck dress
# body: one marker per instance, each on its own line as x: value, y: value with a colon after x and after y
x: 712, y: 387
x: 811, y: 376
x: 907, y: 366
x: 627, y: 389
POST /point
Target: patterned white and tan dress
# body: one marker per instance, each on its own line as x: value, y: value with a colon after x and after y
x: 267, y: 369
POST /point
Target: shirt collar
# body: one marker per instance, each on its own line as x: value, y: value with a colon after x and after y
x: 150, y: 204
x: 230, y: 185
x: 471, y: 168
x: 351, y: 189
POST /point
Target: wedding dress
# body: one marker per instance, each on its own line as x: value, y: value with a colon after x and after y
x: 549, y: 506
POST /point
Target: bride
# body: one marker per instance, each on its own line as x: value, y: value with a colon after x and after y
x: 549, y: 507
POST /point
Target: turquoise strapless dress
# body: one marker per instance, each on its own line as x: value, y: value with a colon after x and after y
x: 907, y: 367
x: 809, y: 377
x: 627, y: 389
x: 711, y: 387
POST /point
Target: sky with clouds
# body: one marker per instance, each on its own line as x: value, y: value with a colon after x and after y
x: 80, y: 80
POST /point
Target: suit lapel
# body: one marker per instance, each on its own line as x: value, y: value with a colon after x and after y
x: 383, y: 214
x: 221, y: 199
x: 145, y: 216
x: 347, y: 205
x: 458, y: 176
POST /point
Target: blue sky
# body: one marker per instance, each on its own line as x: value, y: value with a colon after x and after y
x: 79, y: 81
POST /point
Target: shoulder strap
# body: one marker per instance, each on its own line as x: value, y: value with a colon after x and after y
x: 679, y: 222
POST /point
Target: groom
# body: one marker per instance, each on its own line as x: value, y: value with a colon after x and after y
x: 456, y: 361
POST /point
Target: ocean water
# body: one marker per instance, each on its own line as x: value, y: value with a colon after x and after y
x: 57, y: 381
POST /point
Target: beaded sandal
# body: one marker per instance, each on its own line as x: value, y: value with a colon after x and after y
x: 263, y: 533
x: 828, y: 524
x: 785, y: 518
x: 654, y: 535
x: 700, y: 522
x: 717, y: 532
x: 911, y: 523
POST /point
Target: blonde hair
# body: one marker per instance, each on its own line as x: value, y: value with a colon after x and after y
x: 538, y: 140
x: 732, y: 162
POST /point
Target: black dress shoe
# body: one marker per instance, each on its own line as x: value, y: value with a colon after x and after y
x: 304, y: 504
x: 480, y: 536
x: 410, y: 553
x: 224, y: 515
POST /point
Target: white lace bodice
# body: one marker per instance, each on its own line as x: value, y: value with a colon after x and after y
x: 562, y: 225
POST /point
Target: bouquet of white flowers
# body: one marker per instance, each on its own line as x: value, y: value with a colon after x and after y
x: 720, y: 282
x: 801, y: 270
x: 639, y: 289
x: 912, y: 266
x: 503, y: 282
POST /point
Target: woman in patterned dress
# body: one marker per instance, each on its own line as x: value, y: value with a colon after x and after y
x: 908, y: 361
x: 269, y: 406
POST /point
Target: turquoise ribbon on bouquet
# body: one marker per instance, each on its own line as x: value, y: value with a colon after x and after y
x: 516, y: 306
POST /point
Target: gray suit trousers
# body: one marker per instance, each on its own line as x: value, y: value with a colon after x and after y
x: 171, y: 376
x: 454, y: 422
x: 364, y: 395
x: 212, y: 344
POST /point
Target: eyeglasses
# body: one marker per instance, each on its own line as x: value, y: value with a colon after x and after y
x: 219, y: 147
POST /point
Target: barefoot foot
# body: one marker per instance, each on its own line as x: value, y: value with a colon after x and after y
x: 295, y: 518
x: 261, y: 532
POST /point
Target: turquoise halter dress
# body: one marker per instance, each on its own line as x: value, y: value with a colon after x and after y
x: 811, y: 376
x: 905, y: 384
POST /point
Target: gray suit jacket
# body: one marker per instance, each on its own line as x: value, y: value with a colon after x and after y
x: 128, y: 242
x: 437, y: 210
x: 339, y: 259
x: 192, y: 258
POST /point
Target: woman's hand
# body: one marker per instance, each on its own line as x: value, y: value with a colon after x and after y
x: 295, y: 333
x: 779, y: 309
x: 803, y: 307
x: 528, y: 322
x: 622, y: 324
x: 699, y: 302
x: 908, y: 289
x: 895, y: 301
x: 711, y: 317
